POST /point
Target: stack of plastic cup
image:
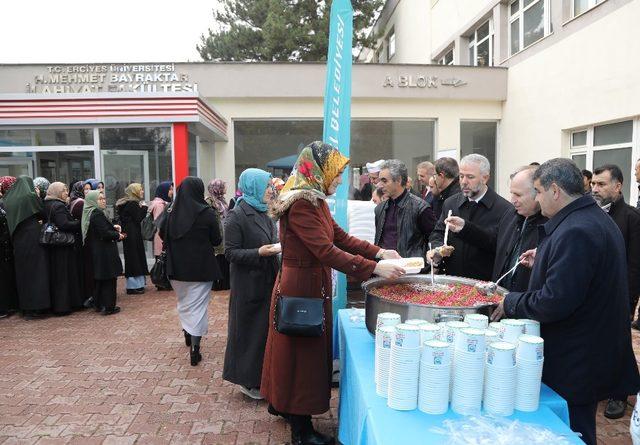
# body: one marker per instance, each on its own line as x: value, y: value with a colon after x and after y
x: 496, y: 326
x: 529, y: 361
x: 435, y: 377
x: 454, y: 327
x: 491, y: 336
x: 416, y: 321
x: 500, y: 379
x: 512, y: 329
x: 468, y: 371
x: 531, y: 327
x: 384, y: 338
x: 428, y: 331
x: 442, y: 335
x: 404, y: 368
x: 479, y: 321
x: 384, y: 319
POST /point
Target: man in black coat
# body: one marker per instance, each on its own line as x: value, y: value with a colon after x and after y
x: 516, y: 233
x: 578, y: 292
x: 480, y: 205
x: 445, y: 183
x: 606, y: 188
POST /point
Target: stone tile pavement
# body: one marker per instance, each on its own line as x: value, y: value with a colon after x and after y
x: 125, y: 379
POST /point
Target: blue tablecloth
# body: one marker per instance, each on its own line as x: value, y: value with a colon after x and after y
x: 366, y: 419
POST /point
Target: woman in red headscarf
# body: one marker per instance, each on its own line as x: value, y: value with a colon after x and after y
x: 9, y: 296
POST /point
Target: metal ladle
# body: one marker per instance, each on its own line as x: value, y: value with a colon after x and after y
x: 491, y: 287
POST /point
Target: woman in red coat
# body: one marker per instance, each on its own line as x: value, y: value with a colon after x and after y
x: 296, y: 375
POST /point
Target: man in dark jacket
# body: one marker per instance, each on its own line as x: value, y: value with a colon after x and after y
x: 606, y: 188
x: 446, y: 183
x: 516, y: 233
x: 404, y: 221
x: 480, y: 205
x: 578, y: 292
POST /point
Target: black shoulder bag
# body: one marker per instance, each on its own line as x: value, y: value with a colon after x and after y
x: 52, y: 236
x: 298, y: 316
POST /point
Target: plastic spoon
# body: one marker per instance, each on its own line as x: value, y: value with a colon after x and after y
x: 446, y: 230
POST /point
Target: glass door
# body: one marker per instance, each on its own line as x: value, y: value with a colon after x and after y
x: 16, y: 166
x: 121, y: 168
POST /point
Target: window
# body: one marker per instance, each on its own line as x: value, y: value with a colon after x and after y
x: 447, y: 59
x: 529, y: 22
x: 481, y: 45
x: 581, y: 6
x: 480, y: 138
x: 606, y: 144
x: 391, y: 44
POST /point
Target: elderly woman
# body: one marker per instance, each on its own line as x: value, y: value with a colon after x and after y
x: 296, y: 375
x: 66, y: 285
x: 216, y: 190
x: 131, y: 210
x: 102, y: 236
x: 251, y: 248
x: 41, y: 186
x: 24, y: 218
x: 9, y: 295
x: 191, y: 232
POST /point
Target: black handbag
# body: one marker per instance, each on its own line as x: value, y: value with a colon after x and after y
x: 158, y: 272
x: 298, y: 316
x: 147, y: 227
x: 50, y: 235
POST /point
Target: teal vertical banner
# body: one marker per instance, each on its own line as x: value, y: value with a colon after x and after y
x: 337, y: 114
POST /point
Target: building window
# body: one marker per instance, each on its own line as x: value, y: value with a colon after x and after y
x: 481, y: 45
x: 606, y: 144
x: 480, y: 138
x: 391, y: 44
x: 581, y: 6
x: 447, y: 59
x: 529, y: 22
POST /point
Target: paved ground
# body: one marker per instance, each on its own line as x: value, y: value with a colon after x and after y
x: 123, y: 379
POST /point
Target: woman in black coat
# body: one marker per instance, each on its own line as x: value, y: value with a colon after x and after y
x: 191, y: 232
x: 24, y: 218
x: 9, y: 296
x: 101, y: 236
x: 131, y: 210
x: 65, y: 281
x: 251, y: 249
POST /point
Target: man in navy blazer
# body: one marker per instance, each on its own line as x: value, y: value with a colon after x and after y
x: 578, y: 292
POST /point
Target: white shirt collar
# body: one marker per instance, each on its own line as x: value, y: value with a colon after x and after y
x: 479, y: 197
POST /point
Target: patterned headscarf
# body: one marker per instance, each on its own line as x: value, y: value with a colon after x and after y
x: 6, y: 182
x: 131, y: 193
x: 42, y: 184
x: 277, y: 184
x: 317, y: 166
x: 216, y: 190
x: 77, y: 191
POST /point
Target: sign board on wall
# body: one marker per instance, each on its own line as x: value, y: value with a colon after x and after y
x: 111, y: 78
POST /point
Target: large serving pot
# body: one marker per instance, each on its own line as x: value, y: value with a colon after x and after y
x: 375, y: 305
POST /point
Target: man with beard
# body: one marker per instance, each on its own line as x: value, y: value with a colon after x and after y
x: 478, y: 204
x: 516, y: 233
x: 606, y: 188
x: 578, y: 292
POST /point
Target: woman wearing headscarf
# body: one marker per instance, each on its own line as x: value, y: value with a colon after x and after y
x: 65, y: 284
x: 251, y: 248
x: 84, y: 260
x: 162, y: 198
x: 233, y: 201
x: 131, y: 210
x: 102, y: 236
x: 296, y: 374
x: 76, y: 199
x: 9, y: 293
x: 191, y: 232
x: 24, y: 218
x: 216, y: 190
x: 41, y: 185
x: 92, y: 184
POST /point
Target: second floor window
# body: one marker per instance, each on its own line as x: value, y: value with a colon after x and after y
x: 447, y: 59
x: 580, y: 6
x: 391, y: 44
x: 481, y: 45
x: 529, y: 21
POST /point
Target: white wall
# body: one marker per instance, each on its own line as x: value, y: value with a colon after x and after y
x: 411, y: 21
x: 587, y: 78
x: 449, y: 16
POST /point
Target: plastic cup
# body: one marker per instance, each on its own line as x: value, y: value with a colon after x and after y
x: 387, y: 319
x: 386, y: 336
x: 436, y: 352
x: 452, y: 328
x: 416, y: 322
x: 407, y: 336
x: 428, y: 331
x: 471, y: 340
x: 531, y: 327
x: 512, y: 330
x: 530, y: 348
x: 501, y: 355
x: 491, y: 336
x: 496, y: 326
x: 479, y: 321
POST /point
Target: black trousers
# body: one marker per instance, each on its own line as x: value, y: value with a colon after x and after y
x: 104, y: 293
x: 583, y: 420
